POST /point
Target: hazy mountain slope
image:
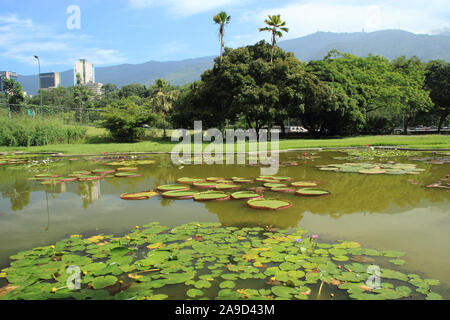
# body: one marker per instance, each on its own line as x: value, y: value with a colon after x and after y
x: 388, y: 43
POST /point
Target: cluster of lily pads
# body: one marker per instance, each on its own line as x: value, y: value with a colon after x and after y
x: 209, y: 261
x: 432, y: 160
x: 373, y: 168
x: 98, y: 174
x: 371, y: 154
x: 443, y: 183
x: 217, y: 187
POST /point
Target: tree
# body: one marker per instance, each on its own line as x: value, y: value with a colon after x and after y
x: 14, y: 94
x: 274, y: 26
x: 162, y: 97
x: 222, y: 19
x: 246, y: 85
x: 411, y: 96
x: 438, y: 82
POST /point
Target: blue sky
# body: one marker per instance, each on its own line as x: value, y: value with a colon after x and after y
x: 135, y: 31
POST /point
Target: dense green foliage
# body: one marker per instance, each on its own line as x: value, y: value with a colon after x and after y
x: 25, y: 132
x: 125, y: 120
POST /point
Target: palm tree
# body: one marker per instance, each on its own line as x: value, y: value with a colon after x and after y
x: 222, y: 18
x: 163, y: 96
x: 274, y: 26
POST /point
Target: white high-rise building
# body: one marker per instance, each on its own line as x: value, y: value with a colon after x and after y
x: 85, y: 70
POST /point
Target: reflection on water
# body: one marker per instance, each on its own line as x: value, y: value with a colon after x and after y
x: 382, y: 211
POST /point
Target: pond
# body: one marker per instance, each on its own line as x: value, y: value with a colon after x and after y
x: 385, y: 212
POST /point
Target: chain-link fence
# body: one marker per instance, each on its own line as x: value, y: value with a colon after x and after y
x: 70, y: 116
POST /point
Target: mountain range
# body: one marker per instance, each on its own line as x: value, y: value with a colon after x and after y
x: 388, y: 43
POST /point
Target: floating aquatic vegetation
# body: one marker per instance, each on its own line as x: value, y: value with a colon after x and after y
x: 144, y: 195
x: 312, y: 192
x: 80, y: 173
x: 186, y: 180
x: 130, y: 163
x: 443, y: 183
x: 274, y: 185
x: 227, y: 186
x: 179, y: 195
x: 432, y: 160
x: 155, y: 260
x: 127, y: 175
x: 370, y: 154
x: 246, y: 195
x: 304, y: 184
x: 103, y: 171
x: 173, y: 187
x: 373, y: 168
x: 283, y: 189
x: 269, y: 204
x: 127, y: 169
x: 214, y: 179
x: 211, y: 196
x: 90, y: 178
x: 204, y: 185
x: 242, y: 180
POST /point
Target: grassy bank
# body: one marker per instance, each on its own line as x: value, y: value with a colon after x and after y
x: 96, y: 145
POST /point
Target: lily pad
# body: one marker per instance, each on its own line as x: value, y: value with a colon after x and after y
x: 179, y: 194
x: 211, y: 196
x: 145, y: 195
x: 312, y: 192
x: 245, y: 195
x: 127, y: 175
x: 186, y: 180
x: 173, y: 187
x: 269, y: 204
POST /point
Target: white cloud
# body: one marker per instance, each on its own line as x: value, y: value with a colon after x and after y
x: 310, y: 16
x: 184, y: 7
x: 21, y: 39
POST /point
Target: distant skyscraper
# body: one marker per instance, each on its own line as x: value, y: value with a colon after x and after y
x: 50, y: 80
x: 85, y: 70
x: 6, y: 75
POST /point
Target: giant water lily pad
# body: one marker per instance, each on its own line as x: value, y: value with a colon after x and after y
x: 274, y: 185
x: 245, y: 195
x: 187, y: 180
x: 173, y: 187
x: 103, y: 171
x: 304, y: 184
x: 269, y: 204
x: 127, y: 169
x: 373, y: 168
x: 312, y: 192
x: 90, y: 178
x: 211, y: 196
x: 145, y: 195
x: 179, y: 194
x: 205, y: 185
x: 283, y: 189
x: 226, y: 186
x: 127, y: 175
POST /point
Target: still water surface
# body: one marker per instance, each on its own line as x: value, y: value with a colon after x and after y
x: 384, y: 212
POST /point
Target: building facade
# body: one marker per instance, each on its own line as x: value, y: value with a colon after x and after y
x: 50, y: 80
x: 95, y: 87
x: 86, y: 72
x: 6, y: 75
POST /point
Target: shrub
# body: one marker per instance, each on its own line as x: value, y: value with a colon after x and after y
x: 125, y: 120
x: 23, y: 131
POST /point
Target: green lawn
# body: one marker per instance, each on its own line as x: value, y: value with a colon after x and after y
x: 96, y: 144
